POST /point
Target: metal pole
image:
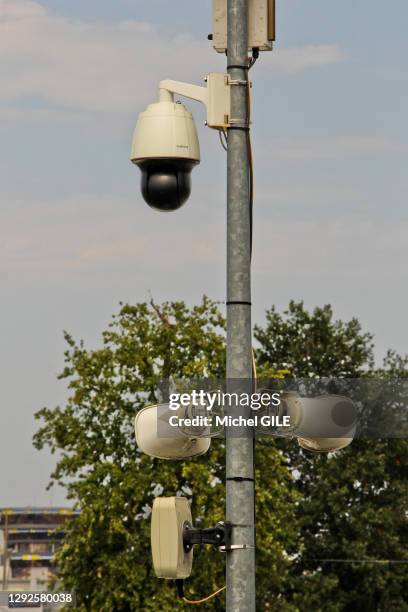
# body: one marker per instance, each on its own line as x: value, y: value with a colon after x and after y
x: 240, y: 450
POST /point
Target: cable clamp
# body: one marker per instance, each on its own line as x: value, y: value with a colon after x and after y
x: 240, y: 82
x: 236, y: 547
x: 237, y: 66
x: 238, y: 123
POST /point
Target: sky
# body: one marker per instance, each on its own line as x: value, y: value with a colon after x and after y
x: 330, y: 152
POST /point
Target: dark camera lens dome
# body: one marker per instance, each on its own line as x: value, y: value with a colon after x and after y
x: 166, y: 183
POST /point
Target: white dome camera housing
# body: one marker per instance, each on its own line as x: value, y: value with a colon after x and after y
x: 165, y: 147
x: 156, y: 437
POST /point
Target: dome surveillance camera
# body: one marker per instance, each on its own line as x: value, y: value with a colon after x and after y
x: 165, y: 147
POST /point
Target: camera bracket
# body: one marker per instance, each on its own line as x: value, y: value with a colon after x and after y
x: 219, y: 536
x: 216, y: 97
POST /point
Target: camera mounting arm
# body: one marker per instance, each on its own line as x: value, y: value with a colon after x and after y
x: 168, y: 88
x: 219, y: 536
x: 215, y: 96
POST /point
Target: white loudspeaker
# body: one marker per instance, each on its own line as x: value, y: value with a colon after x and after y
x: 156, y: 437
x: 322, y: 424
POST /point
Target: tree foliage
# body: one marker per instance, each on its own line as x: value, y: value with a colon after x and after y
x: 350, y: 505
x: 354, y: 503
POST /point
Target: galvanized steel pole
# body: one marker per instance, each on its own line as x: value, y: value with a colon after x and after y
x: 240, y: 450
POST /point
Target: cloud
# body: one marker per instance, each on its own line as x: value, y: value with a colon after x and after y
x: 109, y: 67
x: 294, y: 60
x: 349, y: 247
x: 328, y: 149
x: 84, y: 234
x: 91, y: 66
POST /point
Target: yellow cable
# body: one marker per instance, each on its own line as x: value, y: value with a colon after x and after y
x: 254, y: 367
x: 196, y: 602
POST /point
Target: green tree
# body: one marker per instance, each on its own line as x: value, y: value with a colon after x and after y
x: 350, y: 505
x: 106, y: 555
x: 353, y: 503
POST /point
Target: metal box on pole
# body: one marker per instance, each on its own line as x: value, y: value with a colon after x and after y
x: 261, y: 25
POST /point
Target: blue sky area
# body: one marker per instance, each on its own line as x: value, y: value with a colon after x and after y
x: 330, y: 150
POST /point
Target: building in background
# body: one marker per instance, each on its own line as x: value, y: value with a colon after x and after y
x: 29, y: 538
